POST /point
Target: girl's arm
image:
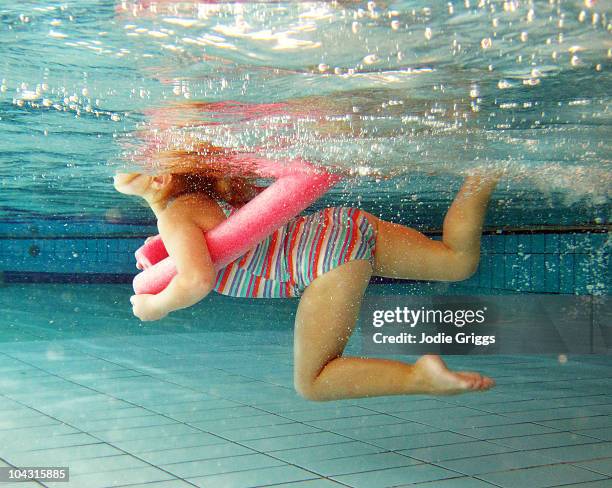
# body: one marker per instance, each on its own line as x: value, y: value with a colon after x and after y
x: 196, y: 275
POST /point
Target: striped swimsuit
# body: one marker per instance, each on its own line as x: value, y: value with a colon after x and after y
x: 287, y: 261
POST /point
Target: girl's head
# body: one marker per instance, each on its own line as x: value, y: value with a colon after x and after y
x: 163, y: 187
x: 178, y: 161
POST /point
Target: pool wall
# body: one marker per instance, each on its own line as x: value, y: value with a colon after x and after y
x: 567, y: 261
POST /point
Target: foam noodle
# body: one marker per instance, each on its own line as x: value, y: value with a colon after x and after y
x: 297, y: 185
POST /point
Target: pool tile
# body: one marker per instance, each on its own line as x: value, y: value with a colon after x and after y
x: 104, y: 464
x: 329, y: 413
x: 496, y: 462
x: 455, y: 451
x: 154, y: 432
x: 338, y: 424
x: 120, y: 423
x: 573, y: 454
x: 463, y: 482
x: 580, y: 423
x: 501, y: 431
x: 439, y: 413
x: 331, y: 451
x: 395, y: 476
x: 171, y: 456
x: 293, y: 441
x: 420, y: 440
x: 49, y: 442
x: 241, y: 422
x: 170, y: 442
x: 259, y: 477
x: 255, y: 433
x: 116, y: 478
x: 209, y: 467
x: 384, y: 431
x: 543, y: 441
x: 603, y: 466
x: 315, y: 483
x: 357, y: 464
x: 62, y: 455
x: 541, y: 477
x: 604, y: 434
x: 164, y: 484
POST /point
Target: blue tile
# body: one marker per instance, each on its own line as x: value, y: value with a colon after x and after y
x: 511, y: 244
x: 500, y: 431
x: 499, y: 280
x: 511, y: 271
x: 462, y: 482
x: 524, y: 244
x: 574, y: 454
x: 602, y: 466
x: 485, y: 271
x: 331, y: 451
x: 602, y: 433
x: 499, y: 243
x: 315, y: 483
x: 566, y: 271
x: 538, y: 243
x: 552, y: 273
x: 583, y: 242
x: 543, y: 441
x: 395, y: 476
x: 260, y: 477
x: 496, y: 462
x: 567, y: 244
x: 486, y: 244
x: 582, y: 277
x: 386, y: 431
x: 357, y: 464
x: 195, y: 453
x: 420, y: 440
x: 209, y: 467
x: 293, y: 441
x: 120, y: 477
x: 552, y: 243
x: 541, y: 477
x: 162, y: 484
x: 460, y: 450
x: 538, y: 273
x: 524, y: 273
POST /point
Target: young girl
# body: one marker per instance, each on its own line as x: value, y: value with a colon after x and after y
x: 331, y: 284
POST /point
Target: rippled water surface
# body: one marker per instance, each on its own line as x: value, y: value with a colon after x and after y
x: 406, y: 96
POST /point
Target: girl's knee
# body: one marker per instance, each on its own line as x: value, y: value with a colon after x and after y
x: 464, y: 267
x: 307, y: 389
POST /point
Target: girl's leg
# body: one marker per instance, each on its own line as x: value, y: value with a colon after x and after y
x: 326, y: 316
x: 405, y: 253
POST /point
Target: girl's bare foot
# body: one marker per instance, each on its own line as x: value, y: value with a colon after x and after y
x: 437, y: 379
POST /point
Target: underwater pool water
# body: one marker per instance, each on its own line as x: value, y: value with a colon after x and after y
x: 404, y: 98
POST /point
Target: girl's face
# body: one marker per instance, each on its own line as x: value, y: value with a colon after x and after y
x: 132, y: 183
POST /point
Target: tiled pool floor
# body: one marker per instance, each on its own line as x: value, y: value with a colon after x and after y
x: 216, y: 408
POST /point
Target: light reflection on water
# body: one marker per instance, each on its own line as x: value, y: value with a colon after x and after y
x: 381, y: 88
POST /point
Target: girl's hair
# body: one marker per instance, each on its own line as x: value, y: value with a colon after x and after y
x: 233, y: 190
x: 204, y: 168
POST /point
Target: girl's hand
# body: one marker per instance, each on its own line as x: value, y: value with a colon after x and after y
x: 144, y: 307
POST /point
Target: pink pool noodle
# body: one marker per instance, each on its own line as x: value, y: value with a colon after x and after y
x: 297, y: 185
